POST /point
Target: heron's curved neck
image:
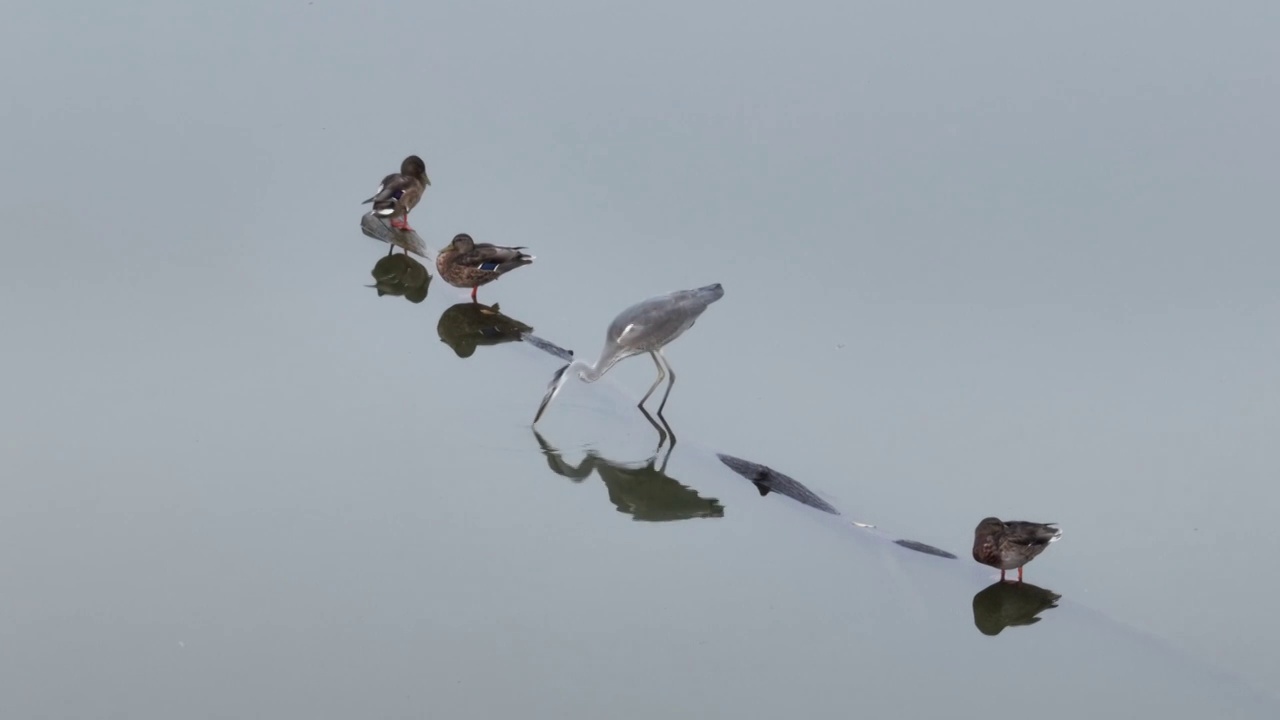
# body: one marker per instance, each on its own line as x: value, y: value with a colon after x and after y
x: 590, y: 372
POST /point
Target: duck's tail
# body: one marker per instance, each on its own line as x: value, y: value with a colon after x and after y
x: 513, y: 260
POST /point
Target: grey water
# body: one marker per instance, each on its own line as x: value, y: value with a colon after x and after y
x: 1012, y: 261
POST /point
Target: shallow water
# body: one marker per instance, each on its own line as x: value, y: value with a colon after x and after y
x: 238, y: 481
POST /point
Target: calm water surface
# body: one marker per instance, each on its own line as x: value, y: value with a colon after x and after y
x: 1017, y: 263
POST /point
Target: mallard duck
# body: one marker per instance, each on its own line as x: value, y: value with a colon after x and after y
x: 1009, y: 545
x: 400, y: 192
x: 465, y: 263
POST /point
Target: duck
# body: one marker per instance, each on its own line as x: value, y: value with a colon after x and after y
x: 466, y: 263
x: 1012, y: 544
x: 400, y: 192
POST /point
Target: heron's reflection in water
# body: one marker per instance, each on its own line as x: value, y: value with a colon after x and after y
x: 645, y: 492
x: 402, y: 276
x: 1006, y: 604
x: 467, y: 325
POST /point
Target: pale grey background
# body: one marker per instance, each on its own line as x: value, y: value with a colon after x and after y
x: 979, y: 259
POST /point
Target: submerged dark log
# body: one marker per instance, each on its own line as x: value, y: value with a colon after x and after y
x: 548, y: 346
x: 768, y: 480
x: 926, y: 549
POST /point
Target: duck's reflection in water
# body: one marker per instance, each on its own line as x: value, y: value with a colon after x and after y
x: 645, y: 493
x: 402, y: 276
x: 1005, y: 604
x: 467, y: 325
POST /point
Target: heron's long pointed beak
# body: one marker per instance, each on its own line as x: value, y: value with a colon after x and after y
x: 557, y: 381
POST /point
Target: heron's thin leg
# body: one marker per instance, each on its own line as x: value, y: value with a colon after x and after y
x: 662, y: 434
x: 662, y: 375
x: 671, y: 433
x: 670, y: 372
x: 662, y: 467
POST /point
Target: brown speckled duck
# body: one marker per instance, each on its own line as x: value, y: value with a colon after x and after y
x: 466, y: 263
x: 400, y: 192
x: 1009, y: 545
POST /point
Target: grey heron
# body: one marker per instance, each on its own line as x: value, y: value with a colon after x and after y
x: 645, y: 327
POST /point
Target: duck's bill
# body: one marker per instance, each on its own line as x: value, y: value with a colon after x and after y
x: 553, y: 388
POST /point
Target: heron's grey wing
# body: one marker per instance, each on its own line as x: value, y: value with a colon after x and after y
x: 665, y: 321
x: 630, y: 333
x: 627, y: 323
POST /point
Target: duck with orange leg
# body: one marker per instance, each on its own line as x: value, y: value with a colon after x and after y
x: 400, y: 192
x: 1012, y: 544
x: 466, y: 263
